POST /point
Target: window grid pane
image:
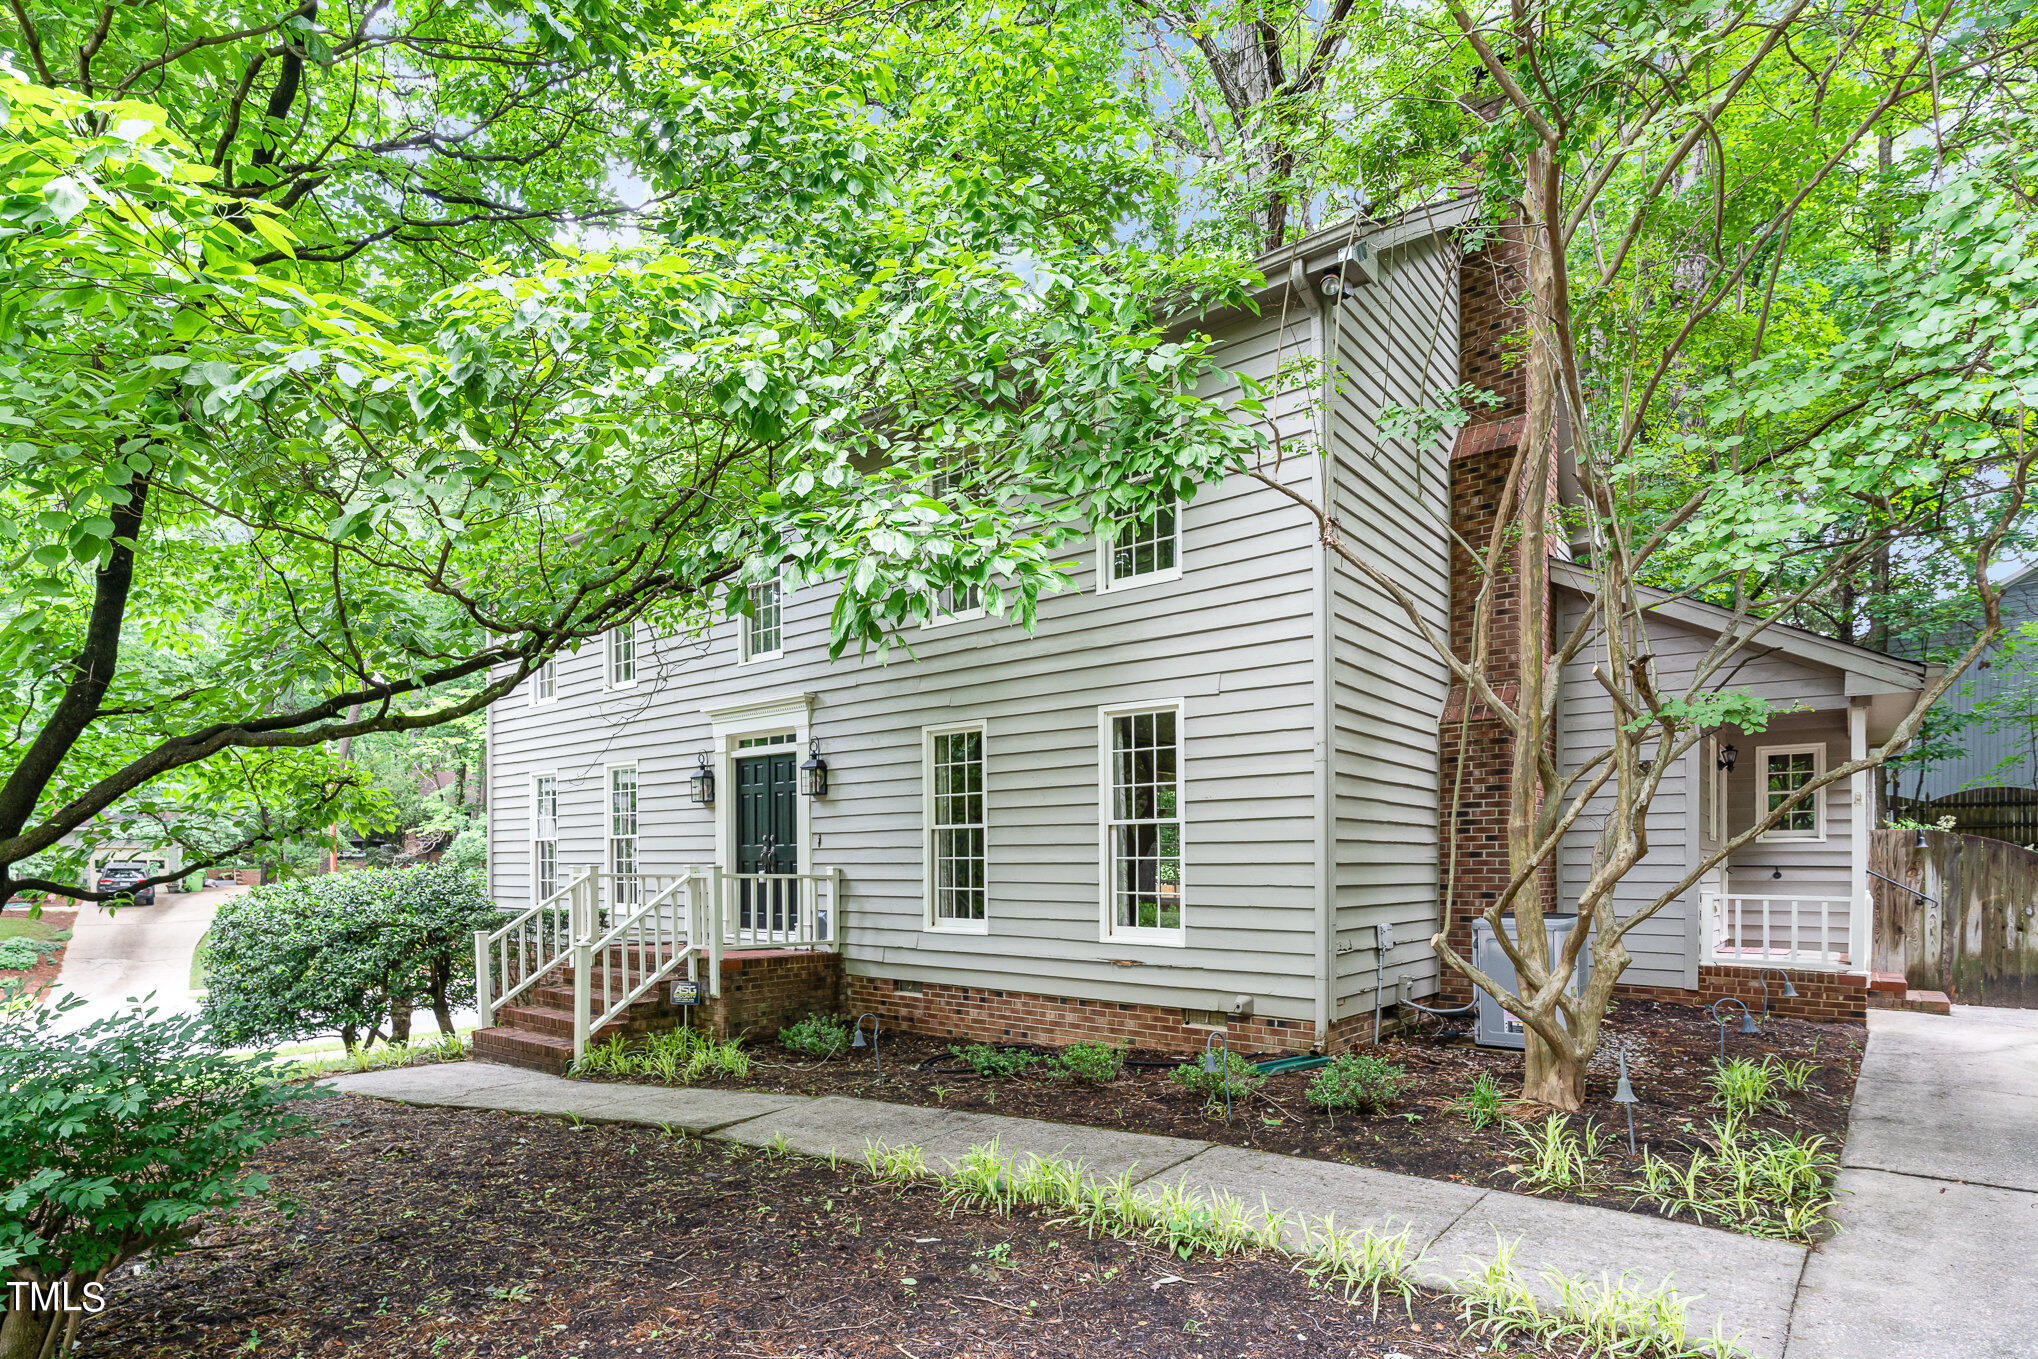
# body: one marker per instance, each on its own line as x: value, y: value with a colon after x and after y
x: 623, y: 655
x: 764, y: 620
x: 545, y: 837
x: 545, y: 683
x: 623, y: 834
x: 1142, y: 546
x: 1786, y: 774
x: 956, y: 762
x: 1145, y: 835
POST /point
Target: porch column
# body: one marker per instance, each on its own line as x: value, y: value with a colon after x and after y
x: 1861, y: 912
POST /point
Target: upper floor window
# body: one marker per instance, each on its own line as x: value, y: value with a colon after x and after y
x: 954, y: 774
x: 622, y: 656
x: 955, y: 602
x: 1785, y: 770
x: 763, y: 637
x: 1142, y: 548
x: 1143, y: 822
x: 545, y: 681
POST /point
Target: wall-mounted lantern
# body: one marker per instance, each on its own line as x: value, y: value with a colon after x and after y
x: 814, y: 772
x: 1726, y: 760
x: 701, y: 786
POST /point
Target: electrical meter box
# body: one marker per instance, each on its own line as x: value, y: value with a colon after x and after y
x: 1495, y: 1027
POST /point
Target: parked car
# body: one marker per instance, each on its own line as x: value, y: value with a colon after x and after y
x: 116, y: 877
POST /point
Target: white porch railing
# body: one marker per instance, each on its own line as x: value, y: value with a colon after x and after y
x: 1778, y: 931
x: 624, y: 934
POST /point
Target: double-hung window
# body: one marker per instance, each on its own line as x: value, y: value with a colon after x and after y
x: 1138, y: 549
x: 1142, y: 822
x: 545, y: 681
x: 954, y: 784
x: 622, y: 659
x: 544, y: 837
x: 1784, y: 770
x: 954, y: 603
x: 623, y: 832
x: 762, y: 631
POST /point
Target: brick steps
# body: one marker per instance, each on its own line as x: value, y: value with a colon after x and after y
x: 1915, y: 1001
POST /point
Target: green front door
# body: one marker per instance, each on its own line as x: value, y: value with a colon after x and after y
x: 767, y: 839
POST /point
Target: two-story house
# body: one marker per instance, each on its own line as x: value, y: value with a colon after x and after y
x: 1203, y: 793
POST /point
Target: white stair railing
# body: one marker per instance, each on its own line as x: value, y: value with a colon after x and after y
x: 637, y: 953
x: 1778, y: 931
x: 780, y: 910
x: 511, y: 958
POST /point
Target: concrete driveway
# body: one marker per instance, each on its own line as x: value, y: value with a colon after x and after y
x: 1937, y: 1252
x: 137, y: 950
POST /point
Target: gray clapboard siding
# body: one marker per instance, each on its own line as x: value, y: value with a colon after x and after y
x: 1232, y: 638
x: 1396, y: 343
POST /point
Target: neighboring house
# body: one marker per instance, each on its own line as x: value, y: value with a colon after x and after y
x: 1995, y: 757
x: 1203, y: 795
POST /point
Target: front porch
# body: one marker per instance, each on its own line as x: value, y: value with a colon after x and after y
x: 635, y: 953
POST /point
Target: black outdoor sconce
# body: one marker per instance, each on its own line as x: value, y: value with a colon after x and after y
x: 1726, y: 760
x: 814, y: 772
x: 701, y: 786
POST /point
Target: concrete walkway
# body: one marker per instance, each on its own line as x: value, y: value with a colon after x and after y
x: 1743, y: 1285
x: 1937, y: 1252
x: 137, y: 951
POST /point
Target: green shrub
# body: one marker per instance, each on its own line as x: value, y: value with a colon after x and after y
x: 1557, y: 1157
x: 1092, y: 1062
x: 674, y: 1057
x: 1483, y: 1105
x: 1356, y: 1081
x: 998, y: 1064
x: 348, y: 953
x: 113, y: 1141
x: 1233, y: 1071
x: 1744, y: 1087
x: 1754, y: 1182
x: 18, y: 954
x: 821, y: 1036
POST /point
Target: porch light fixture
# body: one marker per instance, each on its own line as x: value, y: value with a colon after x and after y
x: 1789, y: 991
x: 1212, y: 1068
x: 856, y: 1041
x: 1726, y: 759
x: 700, y: 786
x: 1748, y: 1024
x: 1624, y: 1094
x: 814, y: 772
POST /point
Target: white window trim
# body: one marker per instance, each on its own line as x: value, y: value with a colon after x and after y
x: 938, y: 616
x: 929, y: 921
x: 1716, y: 786
x: 608, y: 816
x: 1110, y: 931
x: 537, y: 839
x: 730, y: 723
x: 1817, y: 750
x: 609, y: 680
x: 549, y: 670
x: 744, y: 655
x: 1107, y: 581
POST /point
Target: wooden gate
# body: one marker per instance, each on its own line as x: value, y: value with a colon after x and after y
x: 1973, y: 933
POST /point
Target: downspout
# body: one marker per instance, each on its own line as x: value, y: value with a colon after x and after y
x: 1322, y: 602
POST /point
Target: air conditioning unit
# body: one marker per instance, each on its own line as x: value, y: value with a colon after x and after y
x: 1495, y: 1027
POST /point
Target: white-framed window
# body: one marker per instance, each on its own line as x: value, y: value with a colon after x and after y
x: 763, y: 631
x: 952, y: 784
x: 622, y: 656
x: 954, y: 603
x: 544, y: 836
x: 1141, y: 549
x: 1141, y: 819
x: 545, y: 681
x: 1782, y: 771
x: 622, y: 792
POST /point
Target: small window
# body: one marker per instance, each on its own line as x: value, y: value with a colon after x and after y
x: 955, y: 603
x: 544, y: 837
x: 623, y: 833
x: 1143, y: 823
x: 1144, y: 548
x: 1785, y: 770
x: 623, y: 656
x: 956, y: 892
x: 762, y: 638
x: 545, y: 681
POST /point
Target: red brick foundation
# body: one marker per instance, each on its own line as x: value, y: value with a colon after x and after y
x: 1826, y: 997
x: 975, y: 1014
x: 764, y: 991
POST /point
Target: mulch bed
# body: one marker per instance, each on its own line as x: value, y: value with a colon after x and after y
x: 1670, y: 1049
x: 455, y: 1234
x: 40, y: 978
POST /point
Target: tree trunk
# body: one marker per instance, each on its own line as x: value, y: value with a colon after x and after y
x: 23, y: 1333
x: 399, y: 1019
x: 1552, y: 1077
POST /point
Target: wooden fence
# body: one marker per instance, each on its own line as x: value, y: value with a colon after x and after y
x: 1972, y: 932
x: 2001, y: 813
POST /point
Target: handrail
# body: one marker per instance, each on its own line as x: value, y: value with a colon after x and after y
x: 535, y: 955
x: 650, y: 955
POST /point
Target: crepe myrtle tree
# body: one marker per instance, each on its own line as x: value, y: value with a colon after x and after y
x: 1701, y: 406
x: 250, y: 512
